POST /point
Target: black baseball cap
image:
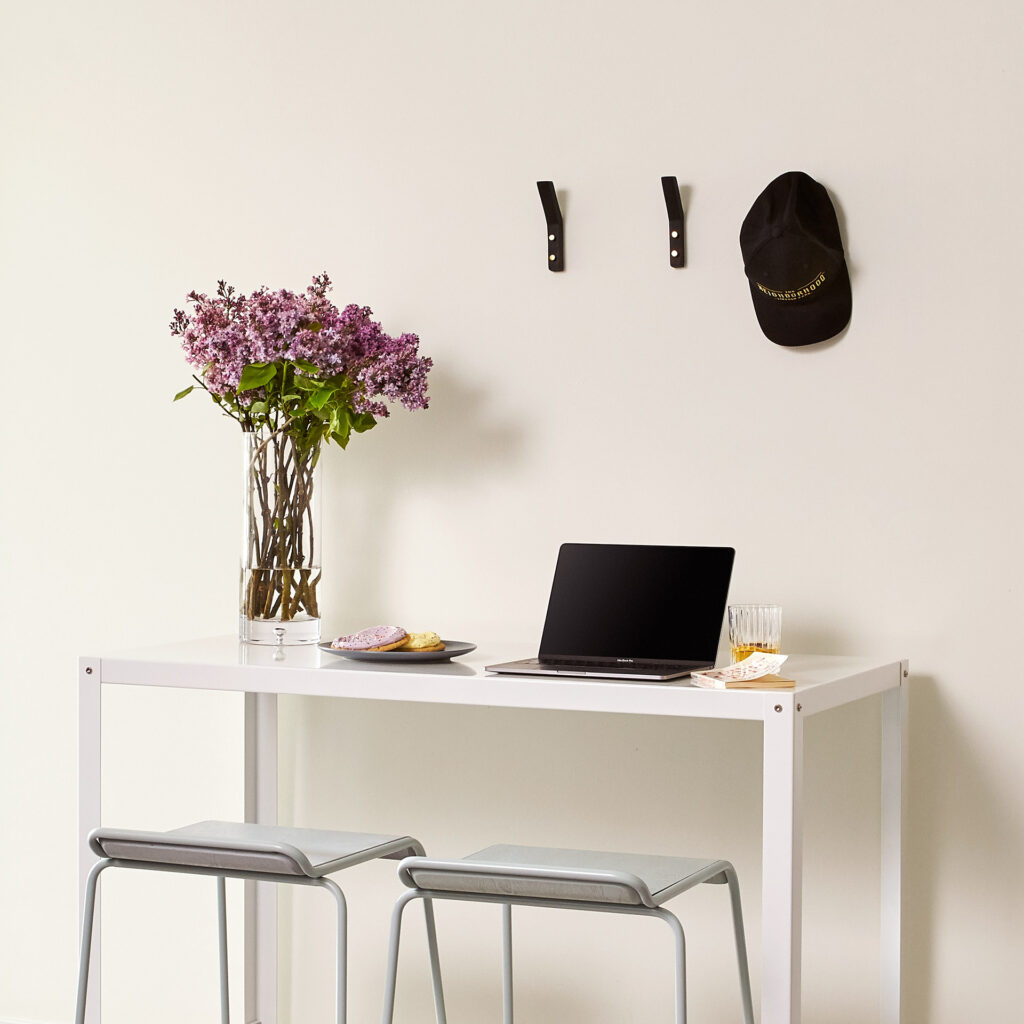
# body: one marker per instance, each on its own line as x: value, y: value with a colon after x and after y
x: 793, y: 257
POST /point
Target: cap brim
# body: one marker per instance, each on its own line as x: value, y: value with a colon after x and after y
x: 808, y: 322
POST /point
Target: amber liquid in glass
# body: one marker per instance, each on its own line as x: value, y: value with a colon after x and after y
x: 741, y: 651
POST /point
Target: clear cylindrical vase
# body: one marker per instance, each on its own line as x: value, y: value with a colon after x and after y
x: 280, y: 540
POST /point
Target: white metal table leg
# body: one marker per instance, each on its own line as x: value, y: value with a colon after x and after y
x: 261, y: 897
x: 782, y: 860
x: 894, y: 761
x: 89, y: 802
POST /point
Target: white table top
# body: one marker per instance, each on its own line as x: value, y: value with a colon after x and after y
x: 223, y: 663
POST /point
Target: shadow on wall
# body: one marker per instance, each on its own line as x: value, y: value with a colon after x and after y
x: 928, y: 740
x: 456, y: 443
x: 957, y: 827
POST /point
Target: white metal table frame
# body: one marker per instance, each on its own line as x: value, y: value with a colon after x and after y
x: 262, y: 673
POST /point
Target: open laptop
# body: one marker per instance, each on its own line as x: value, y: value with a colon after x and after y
x: 632, y: 611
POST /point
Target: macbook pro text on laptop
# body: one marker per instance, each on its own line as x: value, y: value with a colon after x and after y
x: 632, y: 611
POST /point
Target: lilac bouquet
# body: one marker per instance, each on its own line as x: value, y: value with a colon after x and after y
x: 295, y: 372
x: 295, y: 363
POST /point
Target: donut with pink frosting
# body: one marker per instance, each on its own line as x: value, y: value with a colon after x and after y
x: 376, y: 638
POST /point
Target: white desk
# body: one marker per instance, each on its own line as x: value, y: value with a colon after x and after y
x: 822, y: 683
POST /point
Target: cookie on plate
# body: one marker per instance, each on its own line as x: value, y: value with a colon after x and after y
x: 422, y: 642
x: 376, y: 638
x: 387, y: 647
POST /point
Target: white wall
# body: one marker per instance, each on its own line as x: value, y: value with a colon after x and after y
x: 871, y: 484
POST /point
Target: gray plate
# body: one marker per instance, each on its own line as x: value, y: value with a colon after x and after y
x: 452, y: 649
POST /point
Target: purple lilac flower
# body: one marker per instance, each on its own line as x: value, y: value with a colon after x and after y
x: 223, y: 334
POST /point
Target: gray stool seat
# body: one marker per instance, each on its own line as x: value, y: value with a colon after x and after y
x: 242, y: 846
x: 230, y: 849
x: 622, y: 883
x: 538, y: 872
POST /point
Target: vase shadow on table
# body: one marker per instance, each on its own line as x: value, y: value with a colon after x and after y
x: 409, y: 458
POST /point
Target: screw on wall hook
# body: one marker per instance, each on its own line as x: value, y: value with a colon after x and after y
x: 778, y: 707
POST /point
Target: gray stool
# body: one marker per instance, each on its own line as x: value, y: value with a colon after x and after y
x: 264, y: 853
x: 618, y: 883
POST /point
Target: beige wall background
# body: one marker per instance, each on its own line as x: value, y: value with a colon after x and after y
x: 870, y: 484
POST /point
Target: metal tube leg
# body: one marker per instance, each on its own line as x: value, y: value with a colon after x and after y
x: 222, y: 936
x: 781, y: 861
x: 506, y: 970
x: 391, y: 974
x: 85, y: 954
x: 341, y: 953
x: 741, y: 945
x: 260, y: 960
x: 435, y: 963
x: 677, y: 930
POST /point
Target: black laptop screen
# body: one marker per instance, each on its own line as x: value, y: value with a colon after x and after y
x: 637, y: 601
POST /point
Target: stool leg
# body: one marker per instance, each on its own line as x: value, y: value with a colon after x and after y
x: 391, y: 974
x: 677, y: 930
x: 435, y: 963
x: 506, y: 969
x: 741, y: 945
x: 85, y: 954
x: 341, y: 952
x: 222, y: 937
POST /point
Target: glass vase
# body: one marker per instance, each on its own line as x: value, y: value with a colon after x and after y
x: 280, y: 540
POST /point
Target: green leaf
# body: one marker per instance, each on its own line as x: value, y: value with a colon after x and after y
x: 256, y: 375
x: 187, y: 391
x: 305, y: 383
x: 341, y: 440
x: 362, y: 421
x: 306, y: 366
x: 318, y: 399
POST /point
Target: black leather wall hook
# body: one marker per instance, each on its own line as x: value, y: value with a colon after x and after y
x: 553, y: 217
x: 676, y: 223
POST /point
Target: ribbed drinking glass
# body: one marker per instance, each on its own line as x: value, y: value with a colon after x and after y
x: 754, y: 628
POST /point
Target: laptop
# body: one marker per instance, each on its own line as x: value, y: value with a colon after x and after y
x: 632, y: 611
